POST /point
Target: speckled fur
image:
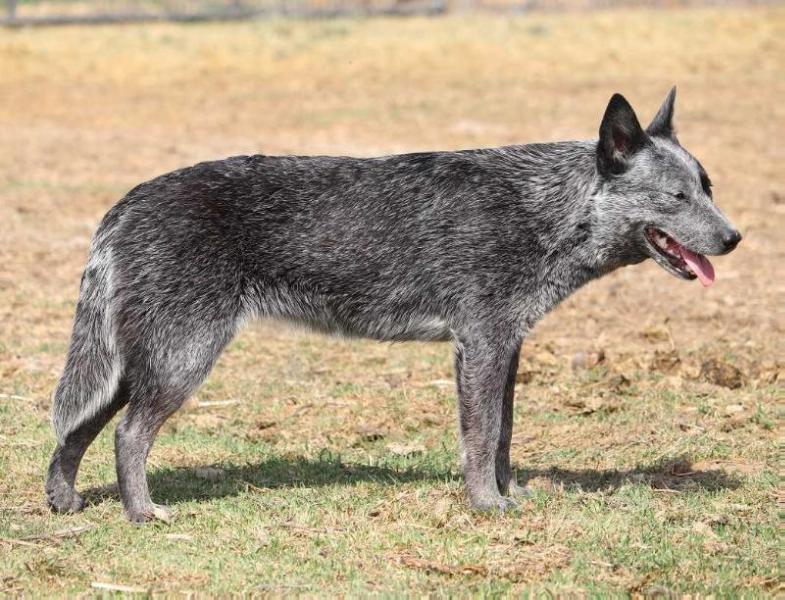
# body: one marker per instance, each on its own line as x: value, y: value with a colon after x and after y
x: 472, y: 246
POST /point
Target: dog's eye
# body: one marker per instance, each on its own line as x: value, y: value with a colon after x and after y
x: 680, y: 196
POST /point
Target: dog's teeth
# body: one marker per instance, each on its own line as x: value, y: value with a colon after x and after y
x: 662, y: 242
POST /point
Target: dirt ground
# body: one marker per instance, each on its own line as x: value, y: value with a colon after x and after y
x: 87, y: 113
x: 636, y: 358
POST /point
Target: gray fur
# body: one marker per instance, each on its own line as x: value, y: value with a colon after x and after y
x: 93, y: 368
x: 473, y: 246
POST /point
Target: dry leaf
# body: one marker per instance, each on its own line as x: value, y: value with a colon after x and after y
x: 666, y: 361
x: 657, y: 333
x: 722, y: 373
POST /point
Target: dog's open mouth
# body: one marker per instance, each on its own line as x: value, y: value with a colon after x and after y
x: 678, y: 259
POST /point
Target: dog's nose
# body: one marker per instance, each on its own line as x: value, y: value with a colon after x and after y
x: 731, y: 239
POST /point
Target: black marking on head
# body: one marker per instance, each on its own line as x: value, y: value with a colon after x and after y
x: 705, y: 181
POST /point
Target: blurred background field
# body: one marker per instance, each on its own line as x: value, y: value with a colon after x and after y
x: 92, y: 11
x: 648, y: 411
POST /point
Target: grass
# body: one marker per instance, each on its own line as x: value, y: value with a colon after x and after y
x: 318, y: 466
x: 314, y: 484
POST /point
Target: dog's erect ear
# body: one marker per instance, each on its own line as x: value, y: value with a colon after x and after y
x: 621, y: 136
x: 662, y: 124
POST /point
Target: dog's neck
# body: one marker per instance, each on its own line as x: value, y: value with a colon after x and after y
x: 559, y: 185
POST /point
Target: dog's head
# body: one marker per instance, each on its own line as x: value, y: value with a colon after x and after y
x: 657, y: 195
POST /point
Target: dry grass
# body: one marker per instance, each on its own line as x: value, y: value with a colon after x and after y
x: 654, y: 468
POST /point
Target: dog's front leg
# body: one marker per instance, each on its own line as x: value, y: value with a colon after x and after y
x: 504, y: 477
x: 483, y: 373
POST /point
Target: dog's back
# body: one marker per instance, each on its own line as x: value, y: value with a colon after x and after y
x: 389, y: 248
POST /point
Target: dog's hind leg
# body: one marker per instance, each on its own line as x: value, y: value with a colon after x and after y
x: 133, y: 440
x: 61, y: 476
x: 162, y: 377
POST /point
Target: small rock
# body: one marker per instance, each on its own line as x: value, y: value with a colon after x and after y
x: 262, y: 536
x: 400, y: 449
x: 587, y: 360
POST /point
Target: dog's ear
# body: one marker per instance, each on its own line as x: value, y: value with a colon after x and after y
x: 621, y: 136
x: 662, y: 124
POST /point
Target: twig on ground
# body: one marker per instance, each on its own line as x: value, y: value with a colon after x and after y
x: 14, y: 397
x: 602, y: 563
x: 297, y: 411
x: 61, y: 534
x: 17, y: 542
x: 429, y: 565
x: 118, y: 587
x: 35, y: 539
x: 29, y: 508
x: 214, y: 403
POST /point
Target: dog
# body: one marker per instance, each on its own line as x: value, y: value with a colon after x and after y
x: 472, y: 247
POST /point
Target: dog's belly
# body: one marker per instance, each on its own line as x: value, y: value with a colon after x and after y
x: 415, y: 328
x: 388, y: 328
x: 374, y: 320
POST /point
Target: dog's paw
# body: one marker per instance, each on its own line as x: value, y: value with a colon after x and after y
x: 152, y: 512
x: 519, y: 491
x: 64, y: 499
x: 494, y: 503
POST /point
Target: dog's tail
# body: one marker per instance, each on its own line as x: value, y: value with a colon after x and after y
x: 93, y: 367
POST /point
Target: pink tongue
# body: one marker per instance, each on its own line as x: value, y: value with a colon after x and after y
x: 700, y: 265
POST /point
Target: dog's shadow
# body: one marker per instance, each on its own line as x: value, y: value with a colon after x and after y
x: 183, y: 484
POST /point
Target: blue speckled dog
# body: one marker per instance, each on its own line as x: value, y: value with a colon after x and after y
x: 472, y: 247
